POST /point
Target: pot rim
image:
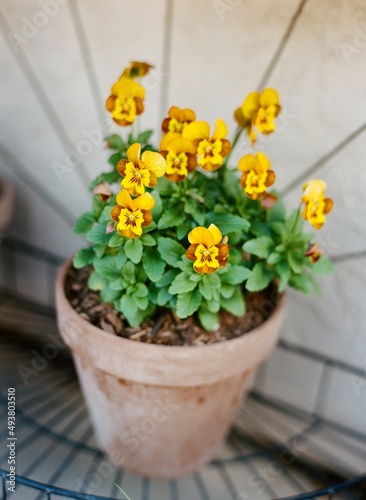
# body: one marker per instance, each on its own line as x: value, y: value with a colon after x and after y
x: 162, y: 364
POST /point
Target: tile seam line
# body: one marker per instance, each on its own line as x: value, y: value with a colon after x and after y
x: 282, y: 45
x: 86, y: 56
x: 58, y: 208
x: 42, y: 98
x: 324, y: 159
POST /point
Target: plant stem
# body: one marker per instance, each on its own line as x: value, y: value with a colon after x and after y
x: 235, y: 140
x: 296, y: 219
x: 120, y: 489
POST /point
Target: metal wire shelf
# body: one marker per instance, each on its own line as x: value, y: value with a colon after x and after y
x: 57, y: 456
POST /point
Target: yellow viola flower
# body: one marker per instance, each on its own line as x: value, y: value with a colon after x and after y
x: 177, y: 120
x: 208, y: 250
x: 180, y: 156
x: 316, y: 206
x: 132, y: 215
x: 136, y: 69
x: 126, y: 101
x: 257, y: 176
x: 211, y: 150
x: 314, y: 252
x: 260, y: 110
x: 139, y: 173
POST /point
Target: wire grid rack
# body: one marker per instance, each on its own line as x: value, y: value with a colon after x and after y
x: 295, y: 455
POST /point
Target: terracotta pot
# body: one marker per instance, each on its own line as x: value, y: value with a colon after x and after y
x: 161, y: 411
x: 6, y: 203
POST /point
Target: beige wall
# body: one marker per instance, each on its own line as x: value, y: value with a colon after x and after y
x: 58, y: 60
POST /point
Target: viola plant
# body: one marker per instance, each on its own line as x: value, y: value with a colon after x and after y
x: 178, y: 227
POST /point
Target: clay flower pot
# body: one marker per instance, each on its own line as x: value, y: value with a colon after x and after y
x: 6, y: 203
x: 161, y: 411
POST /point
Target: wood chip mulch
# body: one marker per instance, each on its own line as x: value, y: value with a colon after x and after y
x: 165, y: 328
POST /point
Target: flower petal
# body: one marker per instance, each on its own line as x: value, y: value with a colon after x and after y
x: 247, y: 162
x: 124, y: 199
x: 115, y: 212
x: 328, y: 205
x: 250, y: 105
x: 133, y: 153
x: 216, y: 233
x: 190, y: 253
x: 264, y: 161
x: 220, y: 130
x: 201, y: 236
x: 269, y: 97
x: 197, y: 130
x: 144, y: 202
x: 154, y: 162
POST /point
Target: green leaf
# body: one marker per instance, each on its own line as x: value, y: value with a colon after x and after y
x: 121, y: 258
x: 188, y: 303
x: 96, y: 282
x: 295, y: 222
x: 284, y: 271
x: 227, y: 223
x: 208, y: 284
x: 165, y: 187
x: 281, y: 229
x: 181, y: 284
x: 171, y: 218
x: 213, y: 305
x: 259, y: 228
x: 227, y: 290
x: 144, y: 137
x: 274, y: 258
x: 190, y: 206
x: 323, y: 266
x: 235, y: 274
x: 128, y: 272
x: 296, y: 261
x: 153, y: 264
x: 83, y: 257
x: 168, y: 278
x: 147, y: 240
x: 116, y: 240
x: 261, y: 246
x: 98, y: 234
x: 128, y: 307
x: 183, y: 230
x: 259, y: 279
x: 133, y: 249
x: 142, y: 302
x: 107, y: 267
x: 235, y: 304
x: 199, y: 217
x: 171, y: 251
x: 114, y: 141
x: 84, y: 223
x: 301, y: 282
x: 117, y: 284
x: 109, y: 295
x: 164, y: 296
x: 207, y: 319
x: 158, y: 208
x: 114, y: 159
x: 277, y: 213
x: 141, y: 290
